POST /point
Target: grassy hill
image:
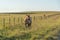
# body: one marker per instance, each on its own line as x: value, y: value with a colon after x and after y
x: 43, y: 27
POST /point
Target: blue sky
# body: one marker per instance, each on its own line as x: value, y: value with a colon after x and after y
x: 29, y: 5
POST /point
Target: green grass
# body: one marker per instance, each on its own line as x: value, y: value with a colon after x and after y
x: 12, y: 27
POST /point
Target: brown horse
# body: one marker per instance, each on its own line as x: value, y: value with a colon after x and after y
x: 28, y: 21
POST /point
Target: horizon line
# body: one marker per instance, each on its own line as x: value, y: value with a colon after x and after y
x: 27, y: 11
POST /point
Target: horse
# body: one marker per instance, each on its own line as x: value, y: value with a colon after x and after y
x: 28, y: 21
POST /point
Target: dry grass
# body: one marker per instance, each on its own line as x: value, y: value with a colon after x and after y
x: 12, y: 26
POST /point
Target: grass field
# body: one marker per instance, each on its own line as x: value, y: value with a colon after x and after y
x: 43, y: 27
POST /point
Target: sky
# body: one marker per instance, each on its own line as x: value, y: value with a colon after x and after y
x: 29, y: 5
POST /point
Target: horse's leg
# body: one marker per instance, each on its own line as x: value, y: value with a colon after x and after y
x: 26, y: 25
x: 29, y: 25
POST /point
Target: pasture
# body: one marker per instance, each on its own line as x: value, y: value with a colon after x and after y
x: 45, y: 26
